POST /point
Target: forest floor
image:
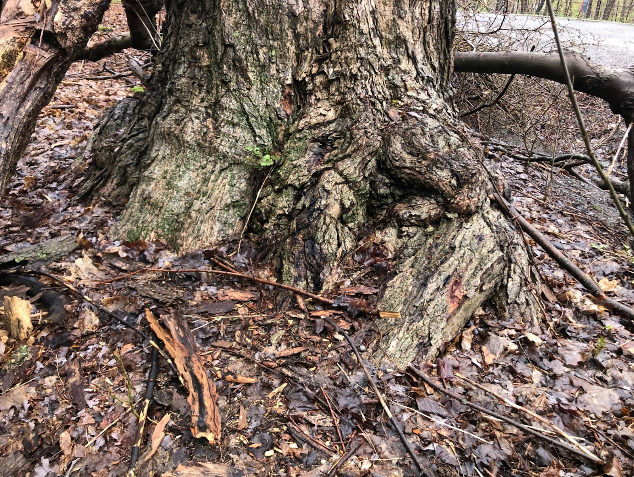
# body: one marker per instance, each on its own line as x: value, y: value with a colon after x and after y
x: 291, y: 395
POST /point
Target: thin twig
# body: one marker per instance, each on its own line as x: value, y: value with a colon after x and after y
x: 502, y: 417
x: 621, y: 144
x: 354, y: 448
x: 384, y: 405
x: 541, y: 419
x: 149, y: 392
x: 492, y: 103
x: 582, y: 126
x: 334, y: 418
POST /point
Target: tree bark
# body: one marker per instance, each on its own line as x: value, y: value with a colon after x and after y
x: 614, y: 86
x: 36, y: 49
x: 350, y: 100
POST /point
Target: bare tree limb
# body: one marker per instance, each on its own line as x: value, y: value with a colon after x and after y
x: 614, y: 86
x: 105, y: 48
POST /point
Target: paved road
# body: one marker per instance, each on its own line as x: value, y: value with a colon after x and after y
x: 606, y: 43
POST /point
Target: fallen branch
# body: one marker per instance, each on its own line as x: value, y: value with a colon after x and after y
x: 105, y: 48
x: 354, y: 448
x: 502, y: 417
x: 582, y: 126
x: 395, y: 425
x: 149, y: 392
x: 541, y: 419
x: 563, y: 261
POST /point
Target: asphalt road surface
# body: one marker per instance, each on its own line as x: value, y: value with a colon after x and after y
x: 606, y: 43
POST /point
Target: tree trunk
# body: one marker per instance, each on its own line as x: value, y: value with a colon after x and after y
x: 608, y: 10
x: 349, y: 99
x: 36, y: 48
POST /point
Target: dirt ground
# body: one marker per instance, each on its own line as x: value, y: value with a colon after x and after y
x: 292, y: 397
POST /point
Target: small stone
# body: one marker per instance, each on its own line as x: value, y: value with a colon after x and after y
x: 362, y: 348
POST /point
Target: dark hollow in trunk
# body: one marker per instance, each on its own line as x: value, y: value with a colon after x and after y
x: 350, y: 100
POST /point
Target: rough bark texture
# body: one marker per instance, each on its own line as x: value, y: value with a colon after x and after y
x: 349, y: 100
x: 36, y: 48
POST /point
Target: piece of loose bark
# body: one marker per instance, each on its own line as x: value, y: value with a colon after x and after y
x: 202, y: 399
x: 17, y: 317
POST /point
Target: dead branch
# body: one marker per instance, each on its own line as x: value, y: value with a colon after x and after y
x: 541, y: 419
x: 563, y: 261
x: 105, y: 48
x: 614, y: 86
x: 149, y: 392
x: 395, y: 425
x: 502, y: 417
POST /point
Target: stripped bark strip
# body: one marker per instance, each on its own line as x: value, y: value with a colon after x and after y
x: 181, y: 345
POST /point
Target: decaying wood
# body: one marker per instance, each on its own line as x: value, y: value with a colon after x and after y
x: 181, y: 346
x: 75, y: 382
x: 36, y: 48
x: 17, y: 317
x: 48, y: 250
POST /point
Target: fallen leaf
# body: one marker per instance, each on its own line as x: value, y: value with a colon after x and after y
x: 608, y: 285
x: 15, y: 398
x: 238, y: 295
x: 242, y: 420
x: 290, y: 351
x: 157, y: 435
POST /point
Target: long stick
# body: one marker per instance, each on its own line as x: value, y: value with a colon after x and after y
x: 502, y: 417
x: 582, y: 125
x: 563, y: 261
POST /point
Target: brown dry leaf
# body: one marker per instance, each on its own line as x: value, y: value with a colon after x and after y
x: 65, y: 443
x: 534, y: 338
x: 608, y: 285
x: 290, y: 351
x: 157, y: 435
x: 394, y: 116
x: 242, y: 420
x: 83, y: 269
x: 548, y: 293
x: 238, y: 295
x: 15, y: 398
x: 467, y: 338
x: 613, y: 467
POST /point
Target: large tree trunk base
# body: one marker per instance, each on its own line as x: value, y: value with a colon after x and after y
x: 365, y: 149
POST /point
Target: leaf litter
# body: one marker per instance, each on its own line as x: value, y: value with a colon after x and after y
x: 291, y: 396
